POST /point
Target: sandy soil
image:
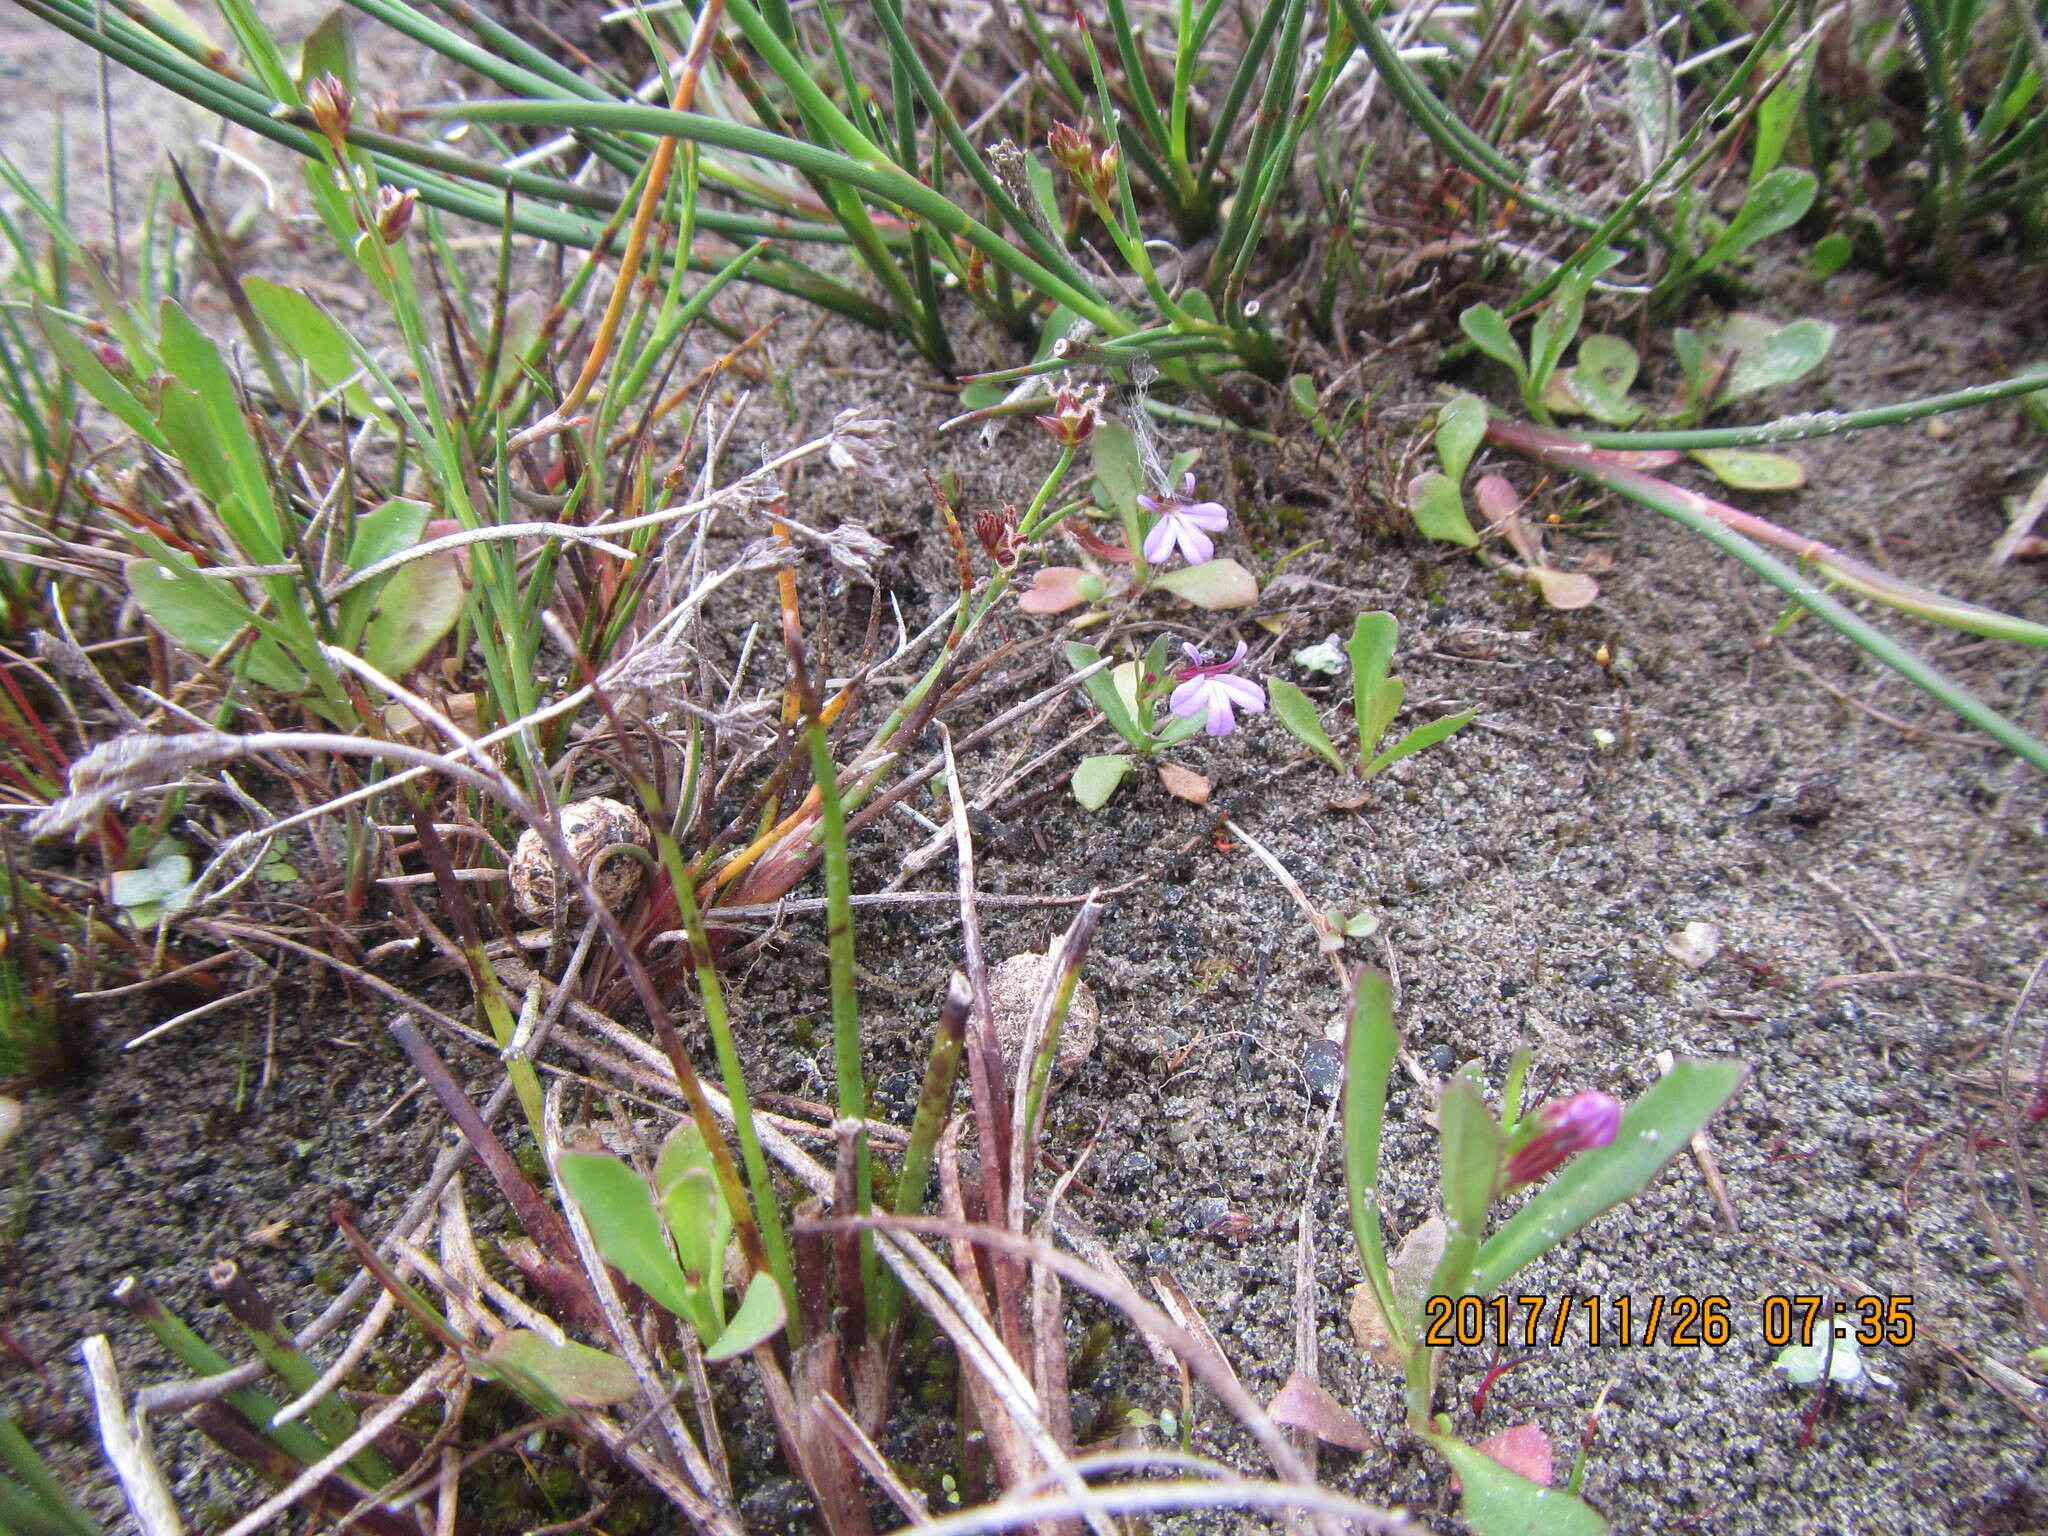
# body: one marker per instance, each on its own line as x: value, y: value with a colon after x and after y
x: 1526, y: 877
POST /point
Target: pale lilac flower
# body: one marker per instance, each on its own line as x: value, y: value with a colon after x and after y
x: 1564, y: 1127
x: 1214, y: 691
x: 1183, y: 523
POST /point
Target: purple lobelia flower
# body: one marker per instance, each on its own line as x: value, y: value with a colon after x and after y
x: 1563, y: 1127
x: 1184, y: 524
x: 1213, y: 690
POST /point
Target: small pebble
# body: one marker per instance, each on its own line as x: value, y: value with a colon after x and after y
x: 1323, y: 1065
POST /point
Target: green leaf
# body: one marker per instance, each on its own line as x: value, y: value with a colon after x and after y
x: 1096, y: 778
x: 1559, y: 321
x: 575, y: 1375
x: 1652, y: 93
x: 328, y: 50
x: 1214, y: 585
x: 1101, y: 690
x: 759, y: 1318
x: 1438, y: 509
x: 195, y: 362
x: 1607, y: 367
x: 1294, y: 710
x: 1370, y: 651
x: 313, y: 337
x: 380, y: 533
x: 187, y: 435
x: 203, y: 615
x: 79, y: 361
x: 1460, y: 425
x: 1654, y: 1129
x: 1776, y: 115
x: 1419, y: 738
x: 1775, y: 203
x: 1116, y: 465
x: 1484, y: 327
x: 416, y: 605
x: 1498, y: 1502
x: 620, y: 1209
x: 1369, y: 1046
x: 1831, y: 253
x: 1471, y: 1168
x: 1752, y: 469
x: 693, y: 1206
x: 1787, y: 353
x: 1301, y: 389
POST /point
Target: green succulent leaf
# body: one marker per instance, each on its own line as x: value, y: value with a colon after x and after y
x: 1498, y: 1502
x: 1753, y: 469
x: 1116, y: 466
x: 1096, y: 778
x: 1297, y: 712
x: 1439, y: 510
x: 1213, y: 585
x: 1460, y: 425
x: 1102, y: 692
x: 759, y: 1318
x: 1787, y: 353
x: 1471, y: 1167
x: 203, y: 615
x: 1488, y: 331
x: 313, y: 337
x: 1774, y: 204
x: 620, y: 1209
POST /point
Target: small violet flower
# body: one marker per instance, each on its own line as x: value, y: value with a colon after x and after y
x: 1563, y: 1127
x: 1213, y: 690
x: 1184, y: 524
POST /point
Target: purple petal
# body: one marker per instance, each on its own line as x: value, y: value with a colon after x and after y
x: 1149, y: 503
x: 1159, y: 542
x: 1244, y: 693
x: 1221, y: 721
x: 1212, y: 515
x: 1194, y: 653
x: 1190, y: 698
x: 1196, y: 545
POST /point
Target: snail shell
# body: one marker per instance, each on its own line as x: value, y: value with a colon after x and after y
x: 589, y: 827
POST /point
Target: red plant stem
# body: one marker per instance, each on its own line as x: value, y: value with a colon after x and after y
x: 1613, y: 470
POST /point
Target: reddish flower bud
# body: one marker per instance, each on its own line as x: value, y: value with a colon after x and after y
x: 1073, y: 418
x: 1563, y: 1127
x: 997, y: 533
x: 112, y: 356
x: 332, y: 106
x: 394, y: 212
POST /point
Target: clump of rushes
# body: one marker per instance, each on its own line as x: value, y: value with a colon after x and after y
x: 1595, y: 1153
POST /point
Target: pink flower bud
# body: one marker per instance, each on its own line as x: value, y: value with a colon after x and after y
x: 1563, y: 1127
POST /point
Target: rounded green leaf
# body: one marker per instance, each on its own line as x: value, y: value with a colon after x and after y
x: 1786, y: 353
x: 759, y: 1318
x: 1438, y: 509
x: 1214, y: 584
x: 203, y: 615
x: 417, y: 605
x: 1096, y: 778
x: 1751, y: 469
x: 1483, y: 325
